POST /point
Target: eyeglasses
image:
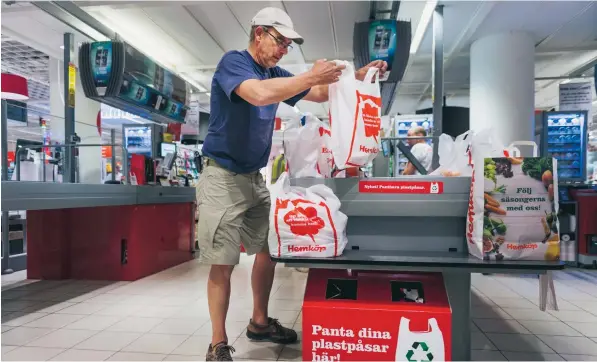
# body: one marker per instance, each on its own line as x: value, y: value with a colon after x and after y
x: 282, y: 44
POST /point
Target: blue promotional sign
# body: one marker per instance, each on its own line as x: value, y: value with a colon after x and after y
x: 101, y: 62
x: 382, y: 42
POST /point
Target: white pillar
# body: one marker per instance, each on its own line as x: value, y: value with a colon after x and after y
x: 85, y: 123
x: 502, y: 94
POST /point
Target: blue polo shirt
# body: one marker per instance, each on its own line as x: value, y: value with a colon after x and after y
x: 239, y: 136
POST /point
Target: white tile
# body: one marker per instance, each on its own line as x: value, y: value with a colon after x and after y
x: 179, y: 326
x: 18, y: 305
x: 291, y: 352
x: 195, y: 345
x: 480, y: 342
x: 6, y: 349
x: 135, y: 324
x: 179, y: 357
x: 31, y: 354
x: 83, y: 355
x: 500, y: 326
x: 118, y: 309
x: 155, y: 311
x: 574, y: 316
x: 589, y: 306
x: 245, y: 349
x: 530, y: 314
x: 49, y: 307
x: 518, y: 343
x: 233, y: 329
x: 579, y: 357
x: 6, y: 328
x: 571, y: 345
x: 108, y: 341
x: 62, y: 338
x: 94, y: 323
x: 20, y: 336
x: 54, y: 321
x: 135, y: 356
x: 480, y: 355
x: 523, y: 356
x: 520, y: 303
x: 156, y: 343
x: 491, y: 312
x: 84, y: 308
x: 105, y: 299
x: 18, y: 319
x: 550, y: 328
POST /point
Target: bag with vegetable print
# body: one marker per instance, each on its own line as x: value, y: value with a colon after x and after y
x: 514, y: 203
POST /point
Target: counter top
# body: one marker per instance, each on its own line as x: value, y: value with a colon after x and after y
x: 23, y: 195
x: 423, y: 260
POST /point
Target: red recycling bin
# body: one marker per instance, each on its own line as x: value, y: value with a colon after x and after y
x: 376, y: 316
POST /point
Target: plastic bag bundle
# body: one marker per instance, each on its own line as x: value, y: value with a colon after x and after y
x: 305, y: 222
x: 454, y: 155
x: 302, y: 147
x: 355, y: 118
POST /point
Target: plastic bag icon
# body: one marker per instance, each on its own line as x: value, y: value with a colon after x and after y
x: 420, y: 346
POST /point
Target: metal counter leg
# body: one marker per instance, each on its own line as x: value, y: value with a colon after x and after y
x: 458, y: 287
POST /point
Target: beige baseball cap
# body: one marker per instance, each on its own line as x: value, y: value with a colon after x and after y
x: 280, y: 21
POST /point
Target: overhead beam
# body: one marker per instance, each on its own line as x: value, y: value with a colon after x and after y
x: 464, y: 37
x: 74, y: 17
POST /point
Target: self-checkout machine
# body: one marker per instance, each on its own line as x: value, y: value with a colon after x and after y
x: 413, y: 224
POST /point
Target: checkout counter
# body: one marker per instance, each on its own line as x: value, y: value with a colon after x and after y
x: 414, y: 232
x: 88, y: 231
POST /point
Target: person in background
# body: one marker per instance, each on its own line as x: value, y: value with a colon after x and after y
x: 233, y: 201
x: 420, y: 149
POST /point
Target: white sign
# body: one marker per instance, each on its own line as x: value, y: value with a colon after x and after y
x: 191, y: 125
x: 576, y: 97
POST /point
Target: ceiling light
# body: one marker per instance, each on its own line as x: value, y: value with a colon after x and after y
x: 426, y: 17
x: 208, y: 94
x: 62, y: 47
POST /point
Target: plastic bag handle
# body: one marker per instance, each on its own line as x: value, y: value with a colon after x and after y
x: 516, y: 150
x: 370, y: 74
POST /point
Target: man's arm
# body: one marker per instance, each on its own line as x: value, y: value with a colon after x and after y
x: 409, y: 169
x: 276, y: 90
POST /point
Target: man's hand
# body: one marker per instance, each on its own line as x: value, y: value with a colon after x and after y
x: 325, y: 72
x: 382, y: 65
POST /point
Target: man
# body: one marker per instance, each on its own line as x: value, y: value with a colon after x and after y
x: 420, y: 149
x: 233, y: 201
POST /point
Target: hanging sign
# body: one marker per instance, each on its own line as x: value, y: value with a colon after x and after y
x: 382, y: 43
x: 72, y: 77
x: 576, y: 96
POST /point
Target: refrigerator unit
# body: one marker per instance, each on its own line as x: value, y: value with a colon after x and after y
x: 564, y: 137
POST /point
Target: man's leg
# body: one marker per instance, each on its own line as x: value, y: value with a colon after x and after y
x: 254, y: 235
x: 218, y: 298
x: 262, y: 279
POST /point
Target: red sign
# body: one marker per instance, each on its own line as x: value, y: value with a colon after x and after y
x: 401, y: 187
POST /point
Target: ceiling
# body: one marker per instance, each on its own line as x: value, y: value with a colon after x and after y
x: 190, y: 38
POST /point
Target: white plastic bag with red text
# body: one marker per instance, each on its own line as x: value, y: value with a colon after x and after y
x: 355, y: 118
x: 305, y: 222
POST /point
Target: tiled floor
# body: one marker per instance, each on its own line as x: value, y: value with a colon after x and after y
x: 164, y: 317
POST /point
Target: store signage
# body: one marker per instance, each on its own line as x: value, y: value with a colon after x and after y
x: 382, y: 42
x: 72, y: 78
x: 401, y: 187
x: 576, y: 96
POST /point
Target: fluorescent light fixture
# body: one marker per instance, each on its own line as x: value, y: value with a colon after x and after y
x: 595, y: 103
x: 426, y: 17
x: 208, y: 94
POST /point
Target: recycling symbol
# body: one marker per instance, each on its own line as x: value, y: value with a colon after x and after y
x: 419, y: 346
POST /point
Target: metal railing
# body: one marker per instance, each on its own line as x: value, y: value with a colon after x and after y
x: 406, y: 151
x: 23, y: 149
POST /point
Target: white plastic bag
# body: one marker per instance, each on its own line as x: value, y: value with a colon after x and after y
x: 454, y: 155
x: 305, y: 222
x: 325, y: 162
x: 302, y: 147
x: 355, y: 118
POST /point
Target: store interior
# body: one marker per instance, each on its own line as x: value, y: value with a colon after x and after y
x: 91, y: 159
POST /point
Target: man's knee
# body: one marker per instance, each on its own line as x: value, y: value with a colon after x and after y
x: 221, y: 272
x: 265, y: 259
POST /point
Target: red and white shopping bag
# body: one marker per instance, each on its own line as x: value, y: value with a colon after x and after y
x: 355, y: 118
x: 305, y: 221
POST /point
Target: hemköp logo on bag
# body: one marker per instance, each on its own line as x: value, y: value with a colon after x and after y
x: 304, y: 221
x: 370, y: 110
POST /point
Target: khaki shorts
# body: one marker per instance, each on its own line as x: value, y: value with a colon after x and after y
x: 233, y: 209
